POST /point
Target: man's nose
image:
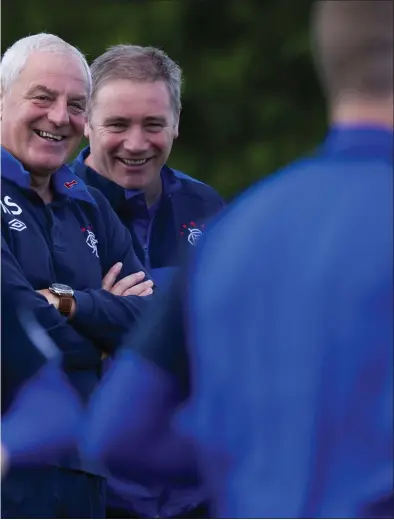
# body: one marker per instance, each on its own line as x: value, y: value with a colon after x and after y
x: 58, y: 113
x: 136, y: 141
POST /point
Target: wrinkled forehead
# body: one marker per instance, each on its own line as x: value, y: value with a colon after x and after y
x: 62, y: 73
x: 132, y: 99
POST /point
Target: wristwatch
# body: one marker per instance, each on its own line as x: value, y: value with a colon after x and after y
x: 66, y: 296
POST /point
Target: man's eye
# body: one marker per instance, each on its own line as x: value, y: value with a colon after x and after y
x: 43, y: 98
x: 77, y: 106
x: 155, y: 127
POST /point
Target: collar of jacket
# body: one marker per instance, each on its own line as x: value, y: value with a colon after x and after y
x: 65, y: 182
x: 115, y: 193
x: 359, y: 141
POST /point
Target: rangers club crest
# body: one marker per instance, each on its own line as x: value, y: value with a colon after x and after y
x: 91, y: 240
x: 192, y: 232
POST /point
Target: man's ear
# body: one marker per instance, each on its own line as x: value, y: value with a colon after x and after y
x: 176, y: 130
x: 1, y: 105
x: 176, y: 125
x: 86, y: 130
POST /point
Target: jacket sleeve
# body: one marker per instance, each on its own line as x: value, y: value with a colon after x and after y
x: 99, y: 314
x: 78, y: 352
x: 219, y: 204
x: 215, y: 201
x: 135, y: 437
x: 29, y: 433
x: 20, y: 359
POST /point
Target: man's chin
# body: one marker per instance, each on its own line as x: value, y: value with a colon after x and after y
x: 134, y: 182
x: 47, y: 159
x: 44, y: 168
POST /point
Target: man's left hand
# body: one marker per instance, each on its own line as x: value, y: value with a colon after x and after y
x: 52, y: 299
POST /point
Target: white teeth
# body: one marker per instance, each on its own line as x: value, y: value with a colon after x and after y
x: 51, y: 136
x: 132, y: 162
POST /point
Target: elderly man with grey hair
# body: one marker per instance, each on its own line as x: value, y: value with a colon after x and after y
x: 66, y: 257
x: 133, y: 120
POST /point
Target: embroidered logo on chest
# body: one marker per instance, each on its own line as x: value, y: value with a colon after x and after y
x: 91, y: 239
x: 11, y: 208
x: 70, y: 184
x: 192, y: 231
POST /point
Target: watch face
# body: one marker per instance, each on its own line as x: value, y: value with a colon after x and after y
x: 61, y: 288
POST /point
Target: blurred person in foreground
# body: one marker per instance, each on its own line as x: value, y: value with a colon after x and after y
x: 307, y: 431
x: 289, y: 316
x: 65, y: 255
x: 133, y: 120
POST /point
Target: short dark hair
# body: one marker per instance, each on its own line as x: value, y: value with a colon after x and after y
x: 137, y: 63
x: 353, y: 46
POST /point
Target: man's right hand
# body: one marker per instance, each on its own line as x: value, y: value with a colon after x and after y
x: 131, y: 285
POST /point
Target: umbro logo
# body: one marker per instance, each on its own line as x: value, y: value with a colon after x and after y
x: 11, y: 208
x: 17, y: 225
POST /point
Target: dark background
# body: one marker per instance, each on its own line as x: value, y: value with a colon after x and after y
x: 251, y: 101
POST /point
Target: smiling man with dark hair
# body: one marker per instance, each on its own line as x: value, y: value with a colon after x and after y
x: 133, y: 120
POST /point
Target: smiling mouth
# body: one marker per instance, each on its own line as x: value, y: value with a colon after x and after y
x: 48, y: 136
x: 134, y: 162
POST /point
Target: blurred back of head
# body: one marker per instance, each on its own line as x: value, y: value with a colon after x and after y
x: 353, y: 50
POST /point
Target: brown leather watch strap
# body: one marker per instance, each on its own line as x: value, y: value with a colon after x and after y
x: 65, y: 305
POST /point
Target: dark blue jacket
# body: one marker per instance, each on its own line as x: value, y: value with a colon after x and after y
x: 184, y: 210
x: 73, y: 240
x: 307, y: 430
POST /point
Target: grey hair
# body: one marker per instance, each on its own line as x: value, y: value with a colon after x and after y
x: 15, y: 57
x: 138, y: 63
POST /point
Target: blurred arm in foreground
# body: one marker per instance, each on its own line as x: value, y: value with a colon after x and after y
x: 130, y: 416
x: 41, y: 413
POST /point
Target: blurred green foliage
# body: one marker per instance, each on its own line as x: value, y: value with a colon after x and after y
x: 251, y: 101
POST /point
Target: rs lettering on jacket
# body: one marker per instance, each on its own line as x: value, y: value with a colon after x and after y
x: 10, y: 207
